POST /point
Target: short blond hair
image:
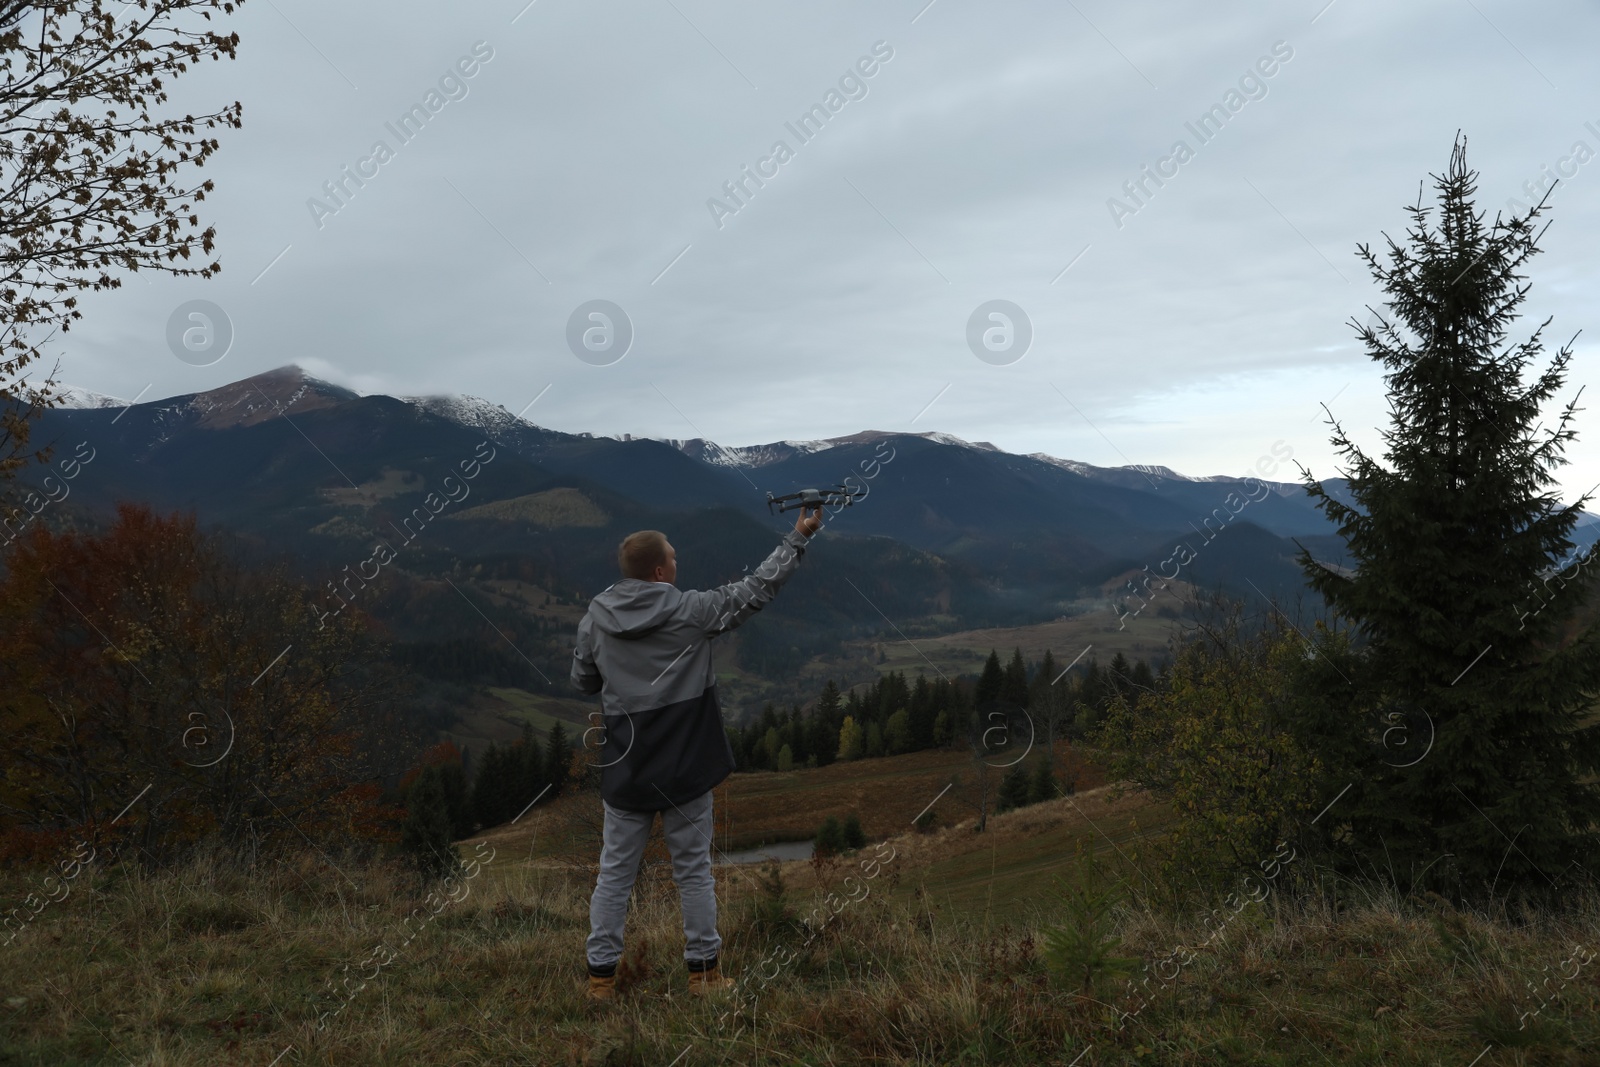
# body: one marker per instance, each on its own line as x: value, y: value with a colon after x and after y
x: 641, y: 553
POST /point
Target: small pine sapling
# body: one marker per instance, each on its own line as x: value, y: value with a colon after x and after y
x: 1080, y: 952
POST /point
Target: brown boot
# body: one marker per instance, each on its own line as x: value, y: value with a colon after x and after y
x: 707, y: 979
x: 602, y: 986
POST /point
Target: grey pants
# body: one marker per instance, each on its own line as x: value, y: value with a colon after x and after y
x: 687, y: 829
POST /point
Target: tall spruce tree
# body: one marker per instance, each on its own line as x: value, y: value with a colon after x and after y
x: 1120, y: 676
x: 1046, y: 701
x: 453, y: 782
x: 828, y: 702
x: 1014, y: 684
x: 558, y: 759
x: 491, y: 787
x: 1460, y: 637
x: 532, y: 775
x: 990, y: 682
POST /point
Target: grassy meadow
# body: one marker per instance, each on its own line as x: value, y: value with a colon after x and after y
x: 923, y: 948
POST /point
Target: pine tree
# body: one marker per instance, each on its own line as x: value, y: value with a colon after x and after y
x: 897, y: 732
x: 1013, y: 792
x: 785, y: 758
x: 453, y: 785
x: 921, y: 714
x: 1121, y: 676
x: 1014, y: 685
x: 1079, y: 952
x: 824, y: 740
x: 799, y: 735
x: 531, y: 771
x: 1042, y: 783
x: 489, y: 788
x: 828, y: 702
x: 1047, y: 699
x: 851, y: 833
x: 1093, y: 694
x: 990, y: 683
x: 425, y: 834
x: 1142, y: 679
x: 557, y: 760
x: 830, y: 838
x: 1456, y: 536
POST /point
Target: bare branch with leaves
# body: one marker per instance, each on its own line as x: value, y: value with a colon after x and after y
x: 95, y: 173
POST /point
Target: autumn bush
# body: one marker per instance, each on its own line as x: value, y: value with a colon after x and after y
x: 155, y: 693
x: 1217, y: 737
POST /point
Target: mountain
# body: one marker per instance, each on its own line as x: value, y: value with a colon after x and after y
x: 949, y: 534
x: 283, y: 454
x: 498, y: 530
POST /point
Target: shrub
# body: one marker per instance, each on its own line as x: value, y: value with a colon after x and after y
x: 1013, y: 788
x: 770, y: 909
x: 1080, y: 952
x: 830, y: 838
x: 425, y: 835
x: 853, y: 835
x: 1217, y: 741
x: 1042, y: 784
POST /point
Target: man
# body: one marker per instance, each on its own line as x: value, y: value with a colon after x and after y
x: 645, y: 647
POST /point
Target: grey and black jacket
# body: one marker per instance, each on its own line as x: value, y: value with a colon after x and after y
x: 645, y: 647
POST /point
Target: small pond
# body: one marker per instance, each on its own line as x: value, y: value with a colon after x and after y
x: 783, y: 850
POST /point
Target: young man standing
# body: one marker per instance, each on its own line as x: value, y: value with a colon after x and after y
x: 645, y: 647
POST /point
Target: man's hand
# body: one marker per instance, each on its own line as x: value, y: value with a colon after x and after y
x: 810, y: 521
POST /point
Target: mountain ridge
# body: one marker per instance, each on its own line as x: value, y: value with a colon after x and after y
x: 252, y: 399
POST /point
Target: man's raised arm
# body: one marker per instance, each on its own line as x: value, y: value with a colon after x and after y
x: 729, y: 606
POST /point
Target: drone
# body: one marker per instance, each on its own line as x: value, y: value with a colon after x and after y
x: 815, y: 498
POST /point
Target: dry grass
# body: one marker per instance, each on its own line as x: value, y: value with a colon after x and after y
x: 212, y: 965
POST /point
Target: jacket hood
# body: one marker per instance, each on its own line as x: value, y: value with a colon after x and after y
x: 632, y: 608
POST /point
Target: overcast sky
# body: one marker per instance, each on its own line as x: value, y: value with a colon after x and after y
x: 1195, y: 326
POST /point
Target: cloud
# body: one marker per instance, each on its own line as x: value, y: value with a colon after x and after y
x: 976, y: 168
